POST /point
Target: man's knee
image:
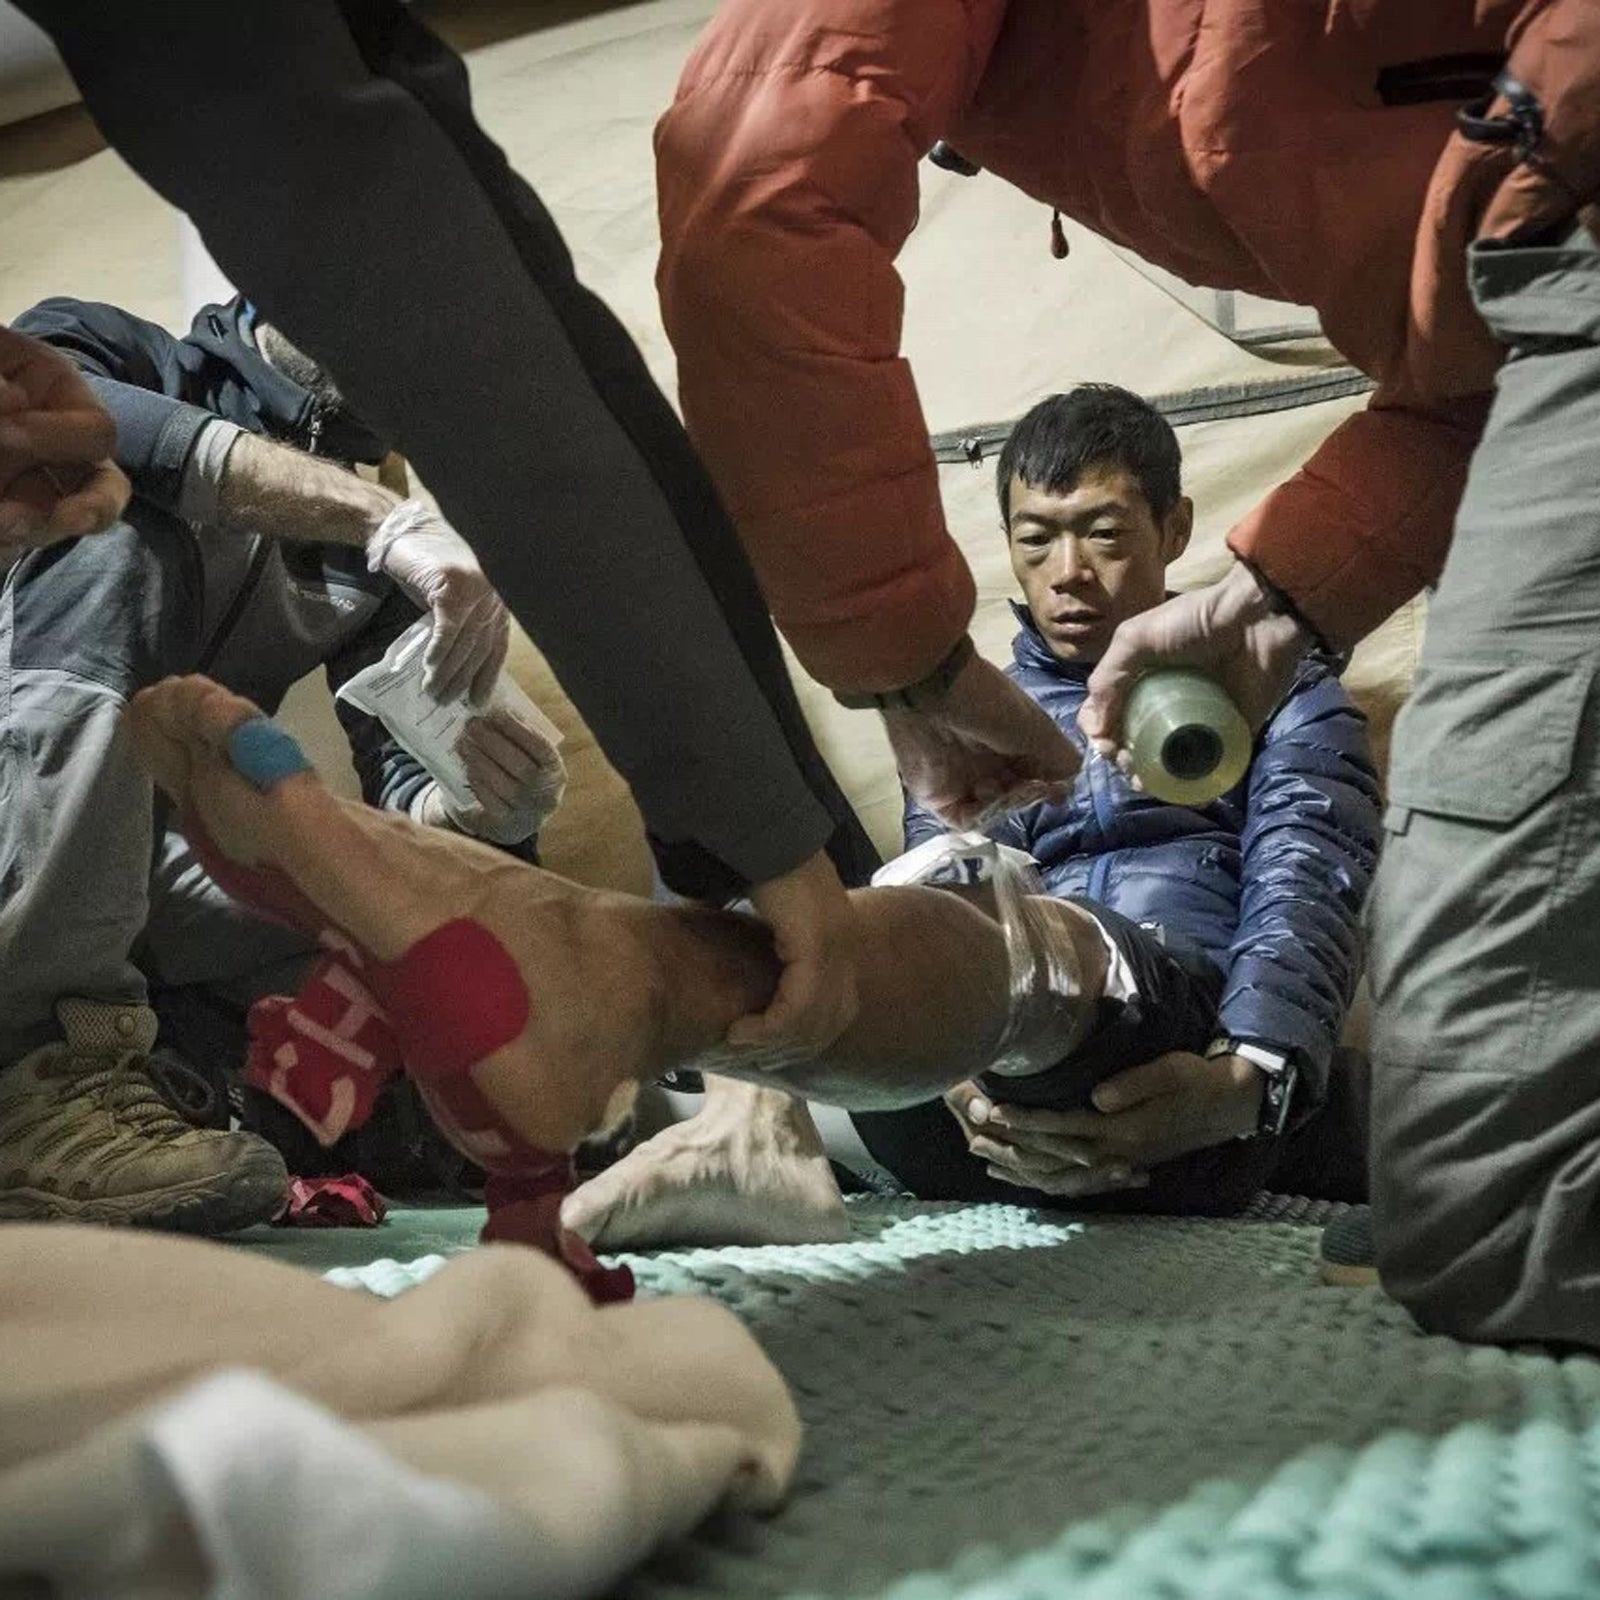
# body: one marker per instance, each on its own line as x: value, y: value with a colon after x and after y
x: 121, y: 609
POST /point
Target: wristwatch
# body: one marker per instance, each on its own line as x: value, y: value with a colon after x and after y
x: 926, y: 694
x: 1279, y: 1075
x: 1282, y: 604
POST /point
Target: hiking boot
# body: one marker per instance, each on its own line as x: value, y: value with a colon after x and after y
x: 85, y: 1136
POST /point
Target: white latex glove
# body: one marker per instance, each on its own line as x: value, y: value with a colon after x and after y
x: 516, y: 773
x: 436, y: 567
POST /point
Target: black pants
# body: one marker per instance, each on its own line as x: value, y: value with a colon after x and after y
x: 1176, y: 1009
x: 328, y: 152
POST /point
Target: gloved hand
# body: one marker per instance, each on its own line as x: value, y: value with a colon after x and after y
x: 416, y: 547
x: 516, y: 773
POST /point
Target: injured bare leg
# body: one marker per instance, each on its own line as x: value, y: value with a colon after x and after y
x: 552, y: 1000
x: 750, y: 1167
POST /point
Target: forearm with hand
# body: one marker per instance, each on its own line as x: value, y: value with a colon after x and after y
x: 57, y: 478
x: 1138, y: 1119
x: 272, y: 489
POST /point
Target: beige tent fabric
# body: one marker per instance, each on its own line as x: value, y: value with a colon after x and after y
x: 993, y: 323
x: 493, y: 1401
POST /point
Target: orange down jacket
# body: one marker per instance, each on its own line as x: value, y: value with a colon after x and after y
x: 1299, y: 149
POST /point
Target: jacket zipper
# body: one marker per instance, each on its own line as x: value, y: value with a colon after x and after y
x: 1468, y: 76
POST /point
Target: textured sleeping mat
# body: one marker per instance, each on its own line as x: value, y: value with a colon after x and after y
x: 1011, y: 1404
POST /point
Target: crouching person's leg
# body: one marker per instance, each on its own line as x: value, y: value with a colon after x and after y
x: 84, y: 1134
x: 1486, y: 914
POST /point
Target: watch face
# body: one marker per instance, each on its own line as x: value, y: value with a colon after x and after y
x: 1277, y: 1093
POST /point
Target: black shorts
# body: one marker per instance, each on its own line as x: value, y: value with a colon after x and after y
x: 1175, y: 1008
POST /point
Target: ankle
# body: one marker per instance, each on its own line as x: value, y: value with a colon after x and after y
x: 780, y: 1117
x: 708, y: 969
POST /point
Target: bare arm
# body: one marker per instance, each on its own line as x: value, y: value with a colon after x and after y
x: 270, y: 488
x: 257, y: 486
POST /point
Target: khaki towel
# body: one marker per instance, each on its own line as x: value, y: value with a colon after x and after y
x: 182, y: 1418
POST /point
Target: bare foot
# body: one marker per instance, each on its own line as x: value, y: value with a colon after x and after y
x: 749, y: 1169
x: 459, y: 931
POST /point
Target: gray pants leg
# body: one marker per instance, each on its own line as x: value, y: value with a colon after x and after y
x: 1486, y: 916
x: 199, y: 937
x: 82, y: 627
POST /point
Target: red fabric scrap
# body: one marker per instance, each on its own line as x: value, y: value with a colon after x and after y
x: 347, y: 1202
x: 525, y: 1208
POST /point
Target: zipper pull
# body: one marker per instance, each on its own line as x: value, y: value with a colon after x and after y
x: 1059, y: 247
x: 314, y: 433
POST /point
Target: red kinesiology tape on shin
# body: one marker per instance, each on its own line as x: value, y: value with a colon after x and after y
x: 451, y: 1001
x: 526, y: 1184
x: 443, y: 1041
x: 326, y: 1053
x: 455, y: 997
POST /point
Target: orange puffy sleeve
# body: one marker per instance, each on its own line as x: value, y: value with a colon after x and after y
x: 787, y: 174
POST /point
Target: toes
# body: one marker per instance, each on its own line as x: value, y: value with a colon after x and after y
x: 184, y: 727
x: 217, y: 711
x: 592, y: 1206
x: 176, y: 720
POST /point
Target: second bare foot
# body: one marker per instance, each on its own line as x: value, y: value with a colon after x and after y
x: 749, y: 1169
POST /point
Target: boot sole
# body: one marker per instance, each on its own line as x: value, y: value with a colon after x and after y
x: 1347, y: 1275
x: 253, y: 1192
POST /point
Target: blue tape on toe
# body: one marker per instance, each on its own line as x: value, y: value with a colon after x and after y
x: 263, y: 754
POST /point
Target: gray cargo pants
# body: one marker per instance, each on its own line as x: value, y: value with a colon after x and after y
x: 98, y: 897
x: 1485, y: 961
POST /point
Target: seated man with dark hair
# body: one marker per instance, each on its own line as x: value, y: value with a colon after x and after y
x: 1227, y: 934
x: 1232, y: 929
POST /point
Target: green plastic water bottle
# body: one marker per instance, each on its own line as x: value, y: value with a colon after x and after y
x: 1188, y: 742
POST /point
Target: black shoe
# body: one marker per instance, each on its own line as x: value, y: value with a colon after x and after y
x: 1348, y: 1259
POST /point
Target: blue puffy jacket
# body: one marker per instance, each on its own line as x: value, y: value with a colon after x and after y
x: 1268, y: 881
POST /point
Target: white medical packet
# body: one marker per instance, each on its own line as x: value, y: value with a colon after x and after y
x: 427, y: 729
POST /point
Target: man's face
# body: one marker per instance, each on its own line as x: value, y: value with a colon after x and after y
x: 1092, y: 557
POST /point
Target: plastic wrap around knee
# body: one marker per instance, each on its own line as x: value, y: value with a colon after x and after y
x: 1042, y: 1020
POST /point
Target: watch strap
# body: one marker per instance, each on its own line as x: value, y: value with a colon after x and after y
x: 925, y: 694
x: 1279, y: 1076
